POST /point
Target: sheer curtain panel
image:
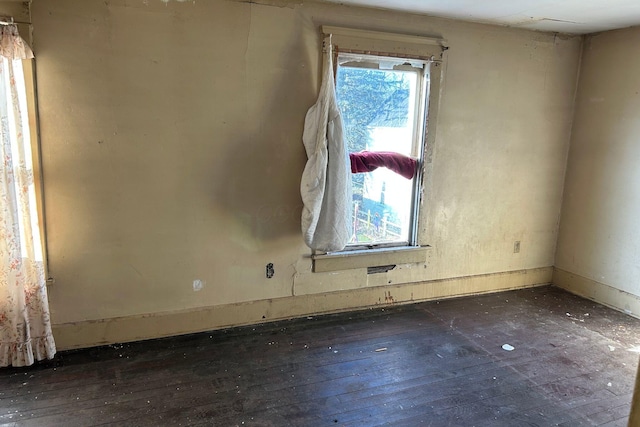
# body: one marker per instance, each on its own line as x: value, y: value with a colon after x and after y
x: 25, y: 326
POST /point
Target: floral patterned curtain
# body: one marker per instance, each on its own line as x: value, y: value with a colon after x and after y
x: 25, y: 327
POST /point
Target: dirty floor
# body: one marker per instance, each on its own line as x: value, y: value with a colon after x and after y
x: 534, y: 357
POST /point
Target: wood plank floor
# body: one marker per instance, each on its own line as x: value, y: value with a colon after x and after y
x: 434, y: 364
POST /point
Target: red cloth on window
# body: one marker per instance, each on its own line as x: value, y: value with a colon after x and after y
x: 367, y: 161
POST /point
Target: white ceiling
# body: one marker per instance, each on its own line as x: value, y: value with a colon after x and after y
x: 565, y: 16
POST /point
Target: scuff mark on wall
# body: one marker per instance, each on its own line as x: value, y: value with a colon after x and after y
x: 198, y: 285
x: 136, y: 270
x: 276, y: 3
x: 388, y: 298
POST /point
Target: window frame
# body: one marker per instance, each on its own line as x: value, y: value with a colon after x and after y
x: 395, y: 46
x: 421, y: 102
x: 29, y: 71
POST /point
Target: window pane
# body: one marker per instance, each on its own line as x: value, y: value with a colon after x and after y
x: 378, y: 110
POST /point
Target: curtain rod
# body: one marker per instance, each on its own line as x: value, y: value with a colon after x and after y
x: 8, y: 20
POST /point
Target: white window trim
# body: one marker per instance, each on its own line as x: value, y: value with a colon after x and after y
x: 407, y: 46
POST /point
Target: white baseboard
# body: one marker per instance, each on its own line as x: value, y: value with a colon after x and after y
x: 598, y: 292
x: 156, y: 325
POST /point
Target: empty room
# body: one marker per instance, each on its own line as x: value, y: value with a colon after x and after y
x: 314, y: 213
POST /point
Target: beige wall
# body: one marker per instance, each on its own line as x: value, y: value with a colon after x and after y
x: 20, y: 12
x: 171, y: 143
x: 599, y: 242
x: 17, y: 9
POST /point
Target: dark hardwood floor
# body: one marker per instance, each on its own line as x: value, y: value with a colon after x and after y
x: 434, y: 364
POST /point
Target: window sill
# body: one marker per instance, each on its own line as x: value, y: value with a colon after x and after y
x: 348, y: 260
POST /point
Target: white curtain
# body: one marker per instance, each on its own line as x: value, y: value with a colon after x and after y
x: 326, y: 180
x: 25, y: 327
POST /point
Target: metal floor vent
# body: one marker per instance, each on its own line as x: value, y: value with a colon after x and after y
x: 380, y: 269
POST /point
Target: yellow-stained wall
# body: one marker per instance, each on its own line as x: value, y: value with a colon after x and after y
x: 171, y: 143
x: 18, y: 10
x: 599, y: 242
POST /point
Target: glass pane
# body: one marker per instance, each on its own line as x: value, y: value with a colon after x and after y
x: 378, y: 111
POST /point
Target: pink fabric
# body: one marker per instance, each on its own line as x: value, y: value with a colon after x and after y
x: 367, y: 161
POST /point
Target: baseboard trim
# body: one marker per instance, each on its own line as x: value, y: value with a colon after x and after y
x: 598, y: 292
x: 157, y: 325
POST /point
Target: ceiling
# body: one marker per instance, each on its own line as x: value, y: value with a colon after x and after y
x: 564, y: 16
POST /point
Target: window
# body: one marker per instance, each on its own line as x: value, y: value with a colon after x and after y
x: 383, y: 102
x: 25, y: 102
x: 387, y: 88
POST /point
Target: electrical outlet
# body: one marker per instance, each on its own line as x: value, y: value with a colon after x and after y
x: 270, y: 270
x: 516, y: 247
